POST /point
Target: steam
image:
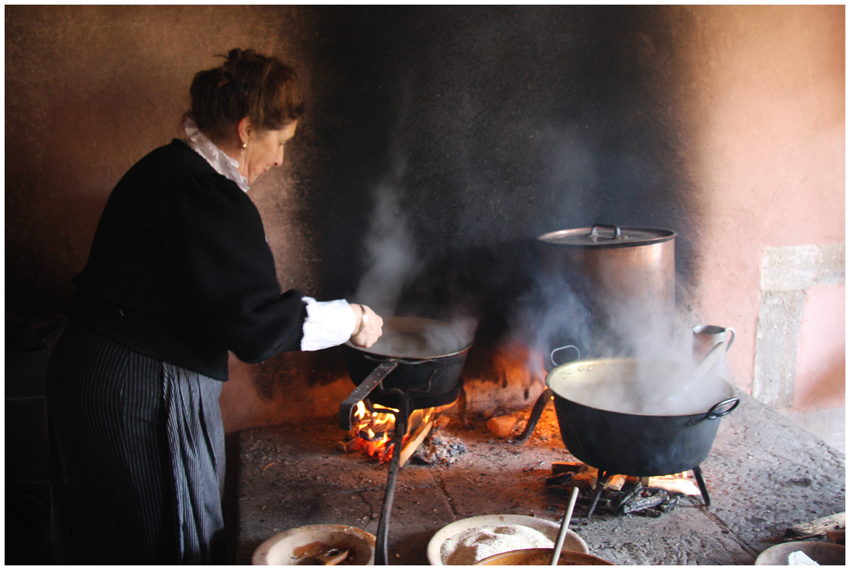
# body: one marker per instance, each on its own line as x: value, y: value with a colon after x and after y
x: 392, y: 264
x: 422, y: 338
x: 391, y: 253
x: 658, y: 377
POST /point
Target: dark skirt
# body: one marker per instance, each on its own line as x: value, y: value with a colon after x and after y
x: 137, y: 456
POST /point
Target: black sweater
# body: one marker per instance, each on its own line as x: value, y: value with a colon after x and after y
x: 180, y: 270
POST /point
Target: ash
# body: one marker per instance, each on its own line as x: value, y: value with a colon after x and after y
x: 438, y: 449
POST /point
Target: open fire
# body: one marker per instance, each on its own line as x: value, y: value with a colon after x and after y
x: 374, y: 428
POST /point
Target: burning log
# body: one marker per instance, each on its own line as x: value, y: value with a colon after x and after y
x: 569, y: 475
x: 616, y: 482
x: 412, y: 443
x: 674, y: 484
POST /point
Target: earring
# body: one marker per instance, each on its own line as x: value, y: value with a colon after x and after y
x: 244, y: 145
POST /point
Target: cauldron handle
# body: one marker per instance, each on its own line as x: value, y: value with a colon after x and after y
x: 714, y: 414
x: 565, y: 347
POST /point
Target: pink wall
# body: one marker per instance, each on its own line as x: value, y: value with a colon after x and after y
x: 767, y: 147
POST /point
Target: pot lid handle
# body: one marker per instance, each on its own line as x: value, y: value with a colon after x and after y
x: 594, y: 231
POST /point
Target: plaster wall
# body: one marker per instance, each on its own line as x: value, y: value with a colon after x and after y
x: 725, y: 122
x: 769, y: 149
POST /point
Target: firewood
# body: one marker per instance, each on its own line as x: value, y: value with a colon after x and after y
x: 559, y: 467
x: 585, y: 480
x: 639, y: 503
x: 501, y: 426
x: 631, y: 493
x: 817, y: 527
x: 675, y: 485
x: 559, y: 490
x: 414, y: 442
x: 562, y: 479
x: 616, y: 483
x: 441, y: 422
x: 580, y: 480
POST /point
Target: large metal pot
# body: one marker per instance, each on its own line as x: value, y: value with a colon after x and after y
x: 638, y: 417
x: 626, y: 277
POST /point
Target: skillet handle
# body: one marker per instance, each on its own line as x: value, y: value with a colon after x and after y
x: 346, y: 409
x: 718, y: 410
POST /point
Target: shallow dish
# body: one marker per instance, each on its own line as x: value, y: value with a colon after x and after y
x: 824, y: 553
x: 294, y: 545
x: 550, y: 529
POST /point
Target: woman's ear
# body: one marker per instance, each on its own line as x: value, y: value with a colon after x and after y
x: 243, y: 130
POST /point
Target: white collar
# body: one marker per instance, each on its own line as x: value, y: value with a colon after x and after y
x: 218, y: 159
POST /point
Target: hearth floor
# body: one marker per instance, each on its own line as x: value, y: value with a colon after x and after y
x: 763, y: 475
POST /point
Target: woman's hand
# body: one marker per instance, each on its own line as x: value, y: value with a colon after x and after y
x: 368, y: 326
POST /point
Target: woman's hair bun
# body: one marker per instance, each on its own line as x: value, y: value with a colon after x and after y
x: 247, y: 84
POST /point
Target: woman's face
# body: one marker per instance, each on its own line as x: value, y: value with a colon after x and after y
x: 264, y: 150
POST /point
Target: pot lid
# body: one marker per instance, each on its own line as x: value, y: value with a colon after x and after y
x: 602, y: 236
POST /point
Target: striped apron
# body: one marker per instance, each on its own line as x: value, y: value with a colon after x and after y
x: 137, y: 456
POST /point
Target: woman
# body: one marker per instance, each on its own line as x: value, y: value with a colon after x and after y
x: 178, y: 276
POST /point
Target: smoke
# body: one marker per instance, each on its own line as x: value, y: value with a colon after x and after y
x: 550, y: 316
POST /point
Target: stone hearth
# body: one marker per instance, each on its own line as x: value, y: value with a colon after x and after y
x: 764, y: 474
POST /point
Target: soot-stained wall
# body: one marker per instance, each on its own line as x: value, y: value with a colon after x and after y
x: 488, y: 126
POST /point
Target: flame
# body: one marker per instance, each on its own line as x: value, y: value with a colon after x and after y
x: 683, y: 483
x: 375, y: 428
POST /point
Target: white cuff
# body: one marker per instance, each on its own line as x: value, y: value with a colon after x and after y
x: 328, y: 323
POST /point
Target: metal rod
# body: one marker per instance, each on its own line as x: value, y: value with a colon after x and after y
x: 381, y: 553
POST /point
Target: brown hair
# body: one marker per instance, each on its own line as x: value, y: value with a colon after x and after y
x: 247, y: 84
